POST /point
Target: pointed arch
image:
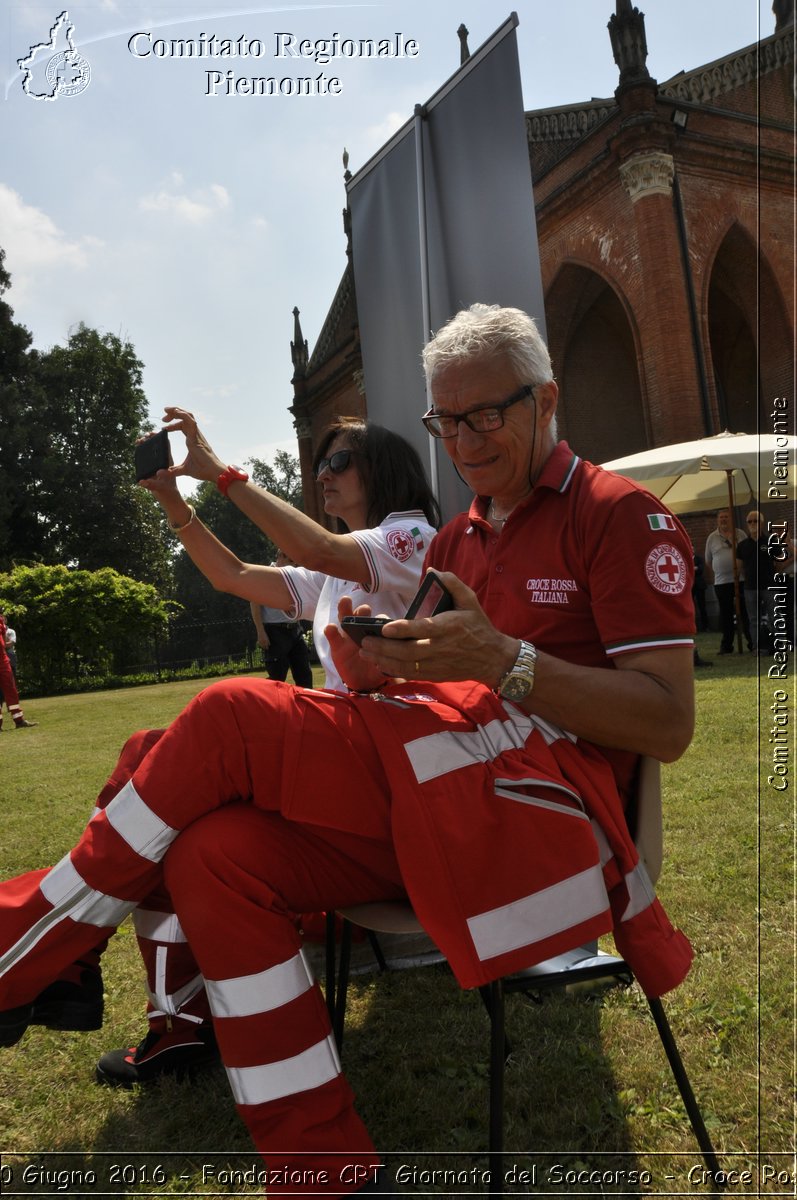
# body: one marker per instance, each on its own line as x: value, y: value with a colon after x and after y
x: 594, y: 348
x: 749, y: 333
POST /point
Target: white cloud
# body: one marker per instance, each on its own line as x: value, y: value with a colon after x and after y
x: 266, y: 451
x: 222, y: 391
x: 195, y: 209
x: 33, y: 241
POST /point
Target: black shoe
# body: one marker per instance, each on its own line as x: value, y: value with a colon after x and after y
x: 13, y: 1023
x: 179, y: 1053
x: 69, y: 1005
x: 23, y: 724
x: 64, y: 1005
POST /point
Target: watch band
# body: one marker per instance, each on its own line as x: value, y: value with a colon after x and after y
x: 228, y: 476
x: 516, y: 684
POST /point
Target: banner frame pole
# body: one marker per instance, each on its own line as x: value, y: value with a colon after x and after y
x: 419, y: 115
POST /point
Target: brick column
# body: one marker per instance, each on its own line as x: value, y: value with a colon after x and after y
x: 671, y: 368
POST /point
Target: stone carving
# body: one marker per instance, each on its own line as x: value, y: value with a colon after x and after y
x: 703, y: 86
x: 648, y: 175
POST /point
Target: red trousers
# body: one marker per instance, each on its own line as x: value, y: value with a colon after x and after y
x: 238, y: 874
x: 8, y: 686
x: 175, y: 988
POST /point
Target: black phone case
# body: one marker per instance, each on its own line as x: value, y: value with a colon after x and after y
x: 359, y: 627
x: 152, y: 455
x: 444, y: 603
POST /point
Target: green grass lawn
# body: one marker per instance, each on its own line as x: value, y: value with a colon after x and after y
x: 588, y: 1086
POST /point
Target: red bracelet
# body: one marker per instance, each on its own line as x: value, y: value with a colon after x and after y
x: 228, y: 476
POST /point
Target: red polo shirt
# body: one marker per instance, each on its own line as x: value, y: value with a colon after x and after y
x: 589, y: 566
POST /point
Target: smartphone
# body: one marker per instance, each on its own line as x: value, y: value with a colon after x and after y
x: 431, y: 598
x: 359, y: 627
x: 152, y: 455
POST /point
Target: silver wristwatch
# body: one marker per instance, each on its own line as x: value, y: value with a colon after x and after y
x: 519, y: 679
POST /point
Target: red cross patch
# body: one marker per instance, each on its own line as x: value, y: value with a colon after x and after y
x: 400, y: 544
x: 666, y: 569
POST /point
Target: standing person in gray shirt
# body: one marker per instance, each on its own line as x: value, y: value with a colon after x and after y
x: 719, y: 555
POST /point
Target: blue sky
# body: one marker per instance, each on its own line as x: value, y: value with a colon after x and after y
x: 192, y: 224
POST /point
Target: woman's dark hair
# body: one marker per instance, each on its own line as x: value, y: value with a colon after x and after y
x: 389, y: 467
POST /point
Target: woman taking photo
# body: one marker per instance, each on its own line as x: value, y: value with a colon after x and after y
x: 372, y: 481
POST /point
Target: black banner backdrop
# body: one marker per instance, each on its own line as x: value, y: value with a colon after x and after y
x: 443, y: 217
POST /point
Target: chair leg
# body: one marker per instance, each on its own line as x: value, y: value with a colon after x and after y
x: 685, y: 1088
x: 494, y: 1001
x: 342, y: 988
x: 485, y: 991
x: 381, y: 961
x: 330, y: 964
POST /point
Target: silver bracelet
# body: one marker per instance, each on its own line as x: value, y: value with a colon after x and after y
x: 185, y: 524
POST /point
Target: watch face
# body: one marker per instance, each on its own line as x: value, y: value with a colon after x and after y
x: 516, y: 688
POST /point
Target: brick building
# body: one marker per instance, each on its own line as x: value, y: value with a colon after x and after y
x: 664, y: 218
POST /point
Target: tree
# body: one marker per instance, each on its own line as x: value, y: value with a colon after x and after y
x: 22, y: 437
x: 94, y: 513
x: 283, y: 478
x: 69, y: 419
x: 213, y: 623
x: 73, y: 622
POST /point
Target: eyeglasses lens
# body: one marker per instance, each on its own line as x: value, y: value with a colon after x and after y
x: 480, y: 420
x: 336, y: 463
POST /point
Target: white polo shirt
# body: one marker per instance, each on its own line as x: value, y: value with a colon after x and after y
x: 394, y: 551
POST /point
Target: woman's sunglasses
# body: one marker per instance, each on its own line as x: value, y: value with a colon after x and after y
x: 337, y: 463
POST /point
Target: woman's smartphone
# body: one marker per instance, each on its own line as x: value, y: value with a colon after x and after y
x: 432, y: 597
x: 152, y: 455
x: 359, y: 627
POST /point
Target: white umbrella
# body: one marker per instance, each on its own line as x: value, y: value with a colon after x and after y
x: 707, y: 474
x: 712, y: 472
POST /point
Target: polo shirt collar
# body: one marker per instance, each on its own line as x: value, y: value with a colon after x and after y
x: 557, y: 475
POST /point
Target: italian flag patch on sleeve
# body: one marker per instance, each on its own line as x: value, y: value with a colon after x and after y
x: 661, y: 521
x: 417, y: 537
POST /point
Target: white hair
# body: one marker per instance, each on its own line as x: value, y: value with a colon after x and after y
x: 489, y: 331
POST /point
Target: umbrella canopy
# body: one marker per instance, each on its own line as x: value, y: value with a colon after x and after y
x: 703, y: 475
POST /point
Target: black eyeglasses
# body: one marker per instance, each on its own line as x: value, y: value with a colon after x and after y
x: 483, y: 419
x: 337, y: 463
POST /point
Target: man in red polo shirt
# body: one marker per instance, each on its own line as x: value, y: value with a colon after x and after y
x: 477, y: 765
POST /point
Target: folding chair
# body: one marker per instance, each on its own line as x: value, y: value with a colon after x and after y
x: 577, y: 968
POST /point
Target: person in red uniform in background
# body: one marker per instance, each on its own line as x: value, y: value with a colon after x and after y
x: 8, y: 685
x: 478, y: 766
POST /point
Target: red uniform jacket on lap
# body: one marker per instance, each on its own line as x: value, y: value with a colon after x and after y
x: 511, y: 838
